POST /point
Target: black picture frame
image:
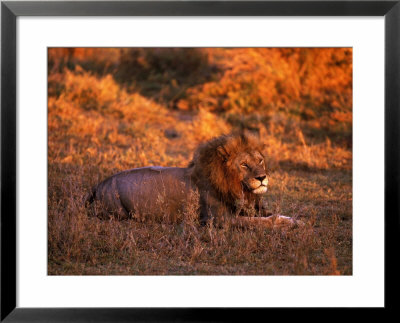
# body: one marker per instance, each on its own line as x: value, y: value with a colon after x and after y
x: 10, y: 10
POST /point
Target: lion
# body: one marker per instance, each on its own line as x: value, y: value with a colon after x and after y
x: 228, y: 172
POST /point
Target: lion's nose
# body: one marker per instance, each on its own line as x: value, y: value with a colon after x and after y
x: 261, y: 177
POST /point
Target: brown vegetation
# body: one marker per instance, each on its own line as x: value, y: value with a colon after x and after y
x: 116, y: 109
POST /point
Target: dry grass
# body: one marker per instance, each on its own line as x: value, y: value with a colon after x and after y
x: 115, y: 109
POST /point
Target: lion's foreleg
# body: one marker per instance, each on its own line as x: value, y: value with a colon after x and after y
x: 246, y: 222
x: 211, y: 209
x: 269, y: 222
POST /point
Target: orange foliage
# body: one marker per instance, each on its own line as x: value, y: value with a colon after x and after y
x: 298, y: 99
x: 310, y: 85
x: 273, y: 78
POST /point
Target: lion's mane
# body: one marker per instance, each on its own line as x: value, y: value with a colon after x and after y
x: 211, y: 167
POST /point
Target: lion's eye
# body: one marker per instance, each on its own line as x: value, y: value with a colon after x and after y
x: 244, y: 165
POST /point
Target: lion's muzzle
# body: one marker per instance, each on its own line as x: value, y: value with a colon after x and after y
x: 260, y: 190
x: 258, y: 185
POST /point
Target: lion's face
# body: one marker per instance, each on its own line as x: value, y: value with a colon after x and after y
x: 251, y: 169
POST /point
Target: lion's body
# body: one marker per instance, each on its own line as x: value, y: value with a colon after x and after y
x: 228, y: 173
x: 136, y: 191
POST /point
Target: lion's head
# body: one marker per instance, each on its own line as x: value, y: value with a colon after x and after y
x: 233, y: 164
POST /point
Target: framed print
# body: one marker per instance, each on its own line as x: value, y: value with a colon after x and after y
x: 191, y: 158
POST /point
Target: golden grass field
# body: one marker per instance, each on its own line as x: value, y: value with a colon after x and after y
x: 112, y: 109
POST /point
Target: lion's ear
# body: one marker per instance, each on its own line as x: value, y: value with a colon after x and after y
x: 222, y: 153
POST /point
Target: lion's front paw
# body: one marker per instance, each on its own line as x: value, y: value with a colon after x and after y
x: 282, y: 221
